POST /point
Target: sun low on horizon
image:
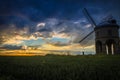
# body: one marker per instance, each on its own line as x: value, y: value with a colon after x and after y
x: 40, y: 27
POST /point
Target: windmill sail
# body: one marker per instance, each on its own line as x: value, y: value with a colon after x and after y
x: 92, y: 22
x: 86, y: 37
x: 89, y: 17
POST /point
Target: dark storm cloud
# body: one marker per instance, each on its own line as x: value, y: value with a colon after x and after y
x: 58, y: 44
x: 37, y: 10
x: 12, y: 47
x: 13, y: 25
x: 76, y: 29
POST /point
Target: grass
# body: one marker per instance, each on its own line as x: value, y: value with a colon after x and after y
x: 53, y: 67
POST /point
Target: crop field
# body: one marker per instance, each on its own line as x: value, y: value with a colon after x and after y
x: 54, y: 67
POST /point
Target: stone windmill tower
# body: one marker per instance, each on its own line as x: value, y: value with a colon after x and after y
x: 106, y: 35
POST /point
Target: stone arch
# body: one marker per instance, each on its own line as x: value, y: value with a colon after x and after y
x: 98, y: 46
x: 110, y: 46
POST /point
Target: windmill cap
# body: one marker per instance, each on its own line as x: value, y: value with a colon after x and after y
x: 108, y: 23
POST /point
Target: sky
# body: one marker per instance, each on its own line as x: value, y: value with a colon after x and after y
x: 52, y: 24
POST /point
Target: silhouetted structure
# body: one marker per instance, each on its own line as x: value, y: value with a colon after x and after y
x: 107, y: 37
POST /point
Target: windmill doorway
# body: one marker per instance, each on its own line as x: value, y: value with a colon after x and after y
x: 110, y: 46
x: 99, y: 47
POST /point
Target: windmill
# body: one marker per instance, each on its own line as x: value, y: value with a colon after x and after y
x: 106, y: 35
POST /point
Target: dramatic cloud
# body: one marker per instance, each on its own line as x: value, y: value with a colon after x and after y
x: 59, y: 24
x: 58, y: 43
x: 12, y: 47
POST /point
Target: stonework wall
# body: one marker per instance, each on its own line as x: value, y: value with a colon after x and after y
x: 105, y: 34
